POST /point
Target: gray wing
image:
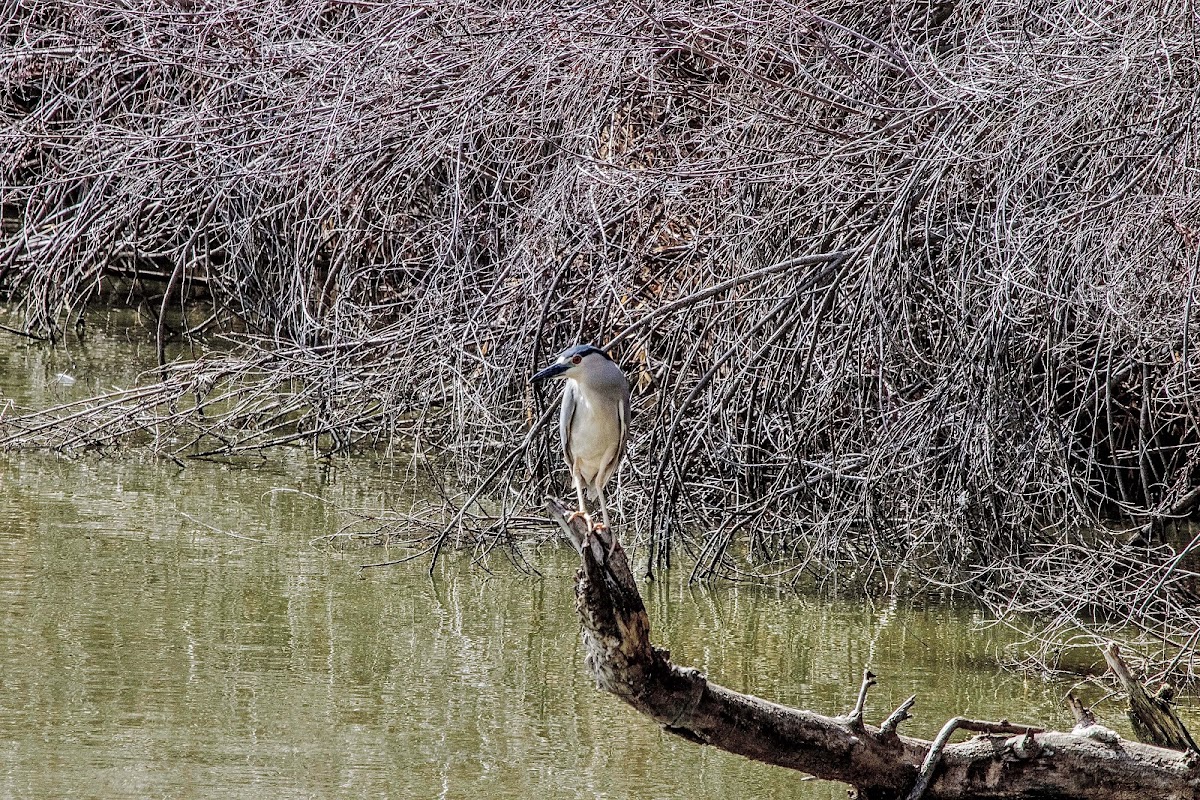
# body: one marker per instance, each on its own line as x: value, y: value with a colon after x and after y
x: 624, y: 407
x: 623, y: 437
x: 565, y: 416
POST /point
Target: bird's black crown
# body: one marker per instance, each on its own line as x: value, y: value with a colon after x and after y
x: 585, y: 350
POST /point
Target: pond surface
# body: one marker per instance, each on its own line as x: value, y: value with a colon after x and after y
x: 173, y: 632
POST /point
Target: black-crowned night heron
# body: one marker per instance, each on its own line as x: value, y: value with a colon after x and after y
x: 594, y: 420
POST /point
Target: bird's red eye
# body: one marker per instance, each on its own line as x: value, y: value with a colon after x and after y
x: 576, y: 359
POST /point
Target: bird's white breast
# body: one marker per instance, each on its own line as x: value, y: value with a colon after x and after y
x: 595, y: 431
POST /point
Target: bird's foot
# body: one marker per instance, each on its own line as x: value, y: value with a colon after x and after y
x: 580, y: 515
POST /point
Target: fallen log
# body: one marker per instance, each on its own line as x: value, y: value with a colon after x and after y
x: 1003, y: 762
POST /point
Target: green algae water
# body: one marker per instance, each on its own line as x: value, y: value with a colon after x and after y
x: 181, y: 632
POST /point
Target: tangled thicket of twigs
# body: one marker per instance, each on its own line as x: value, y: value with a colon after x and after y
x: 906, y: 290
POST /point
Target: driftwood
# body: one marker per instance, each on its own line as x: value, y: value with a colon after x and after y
x: 1004, y: 761
x: 1153, y: 716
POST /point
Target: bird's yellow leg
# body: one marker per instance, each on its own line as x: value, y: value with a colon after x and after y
x: 603, y: 508
x: 612, y: 545
x: 582, y: 512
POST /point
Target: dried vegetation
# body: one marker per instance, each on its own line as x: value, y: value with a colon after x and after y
x: 906, y: 289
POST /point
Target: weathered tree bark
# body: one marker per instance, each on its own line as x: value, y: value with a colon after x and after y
x: 1093, y: 764
x: 1153, y: 717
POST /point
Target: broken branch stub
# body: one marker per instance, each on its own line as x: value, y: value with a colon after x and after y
x: 1153, y: 717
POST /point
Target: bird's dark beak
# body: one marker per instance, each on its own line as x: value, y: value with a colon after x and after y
x: 551, y: 371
